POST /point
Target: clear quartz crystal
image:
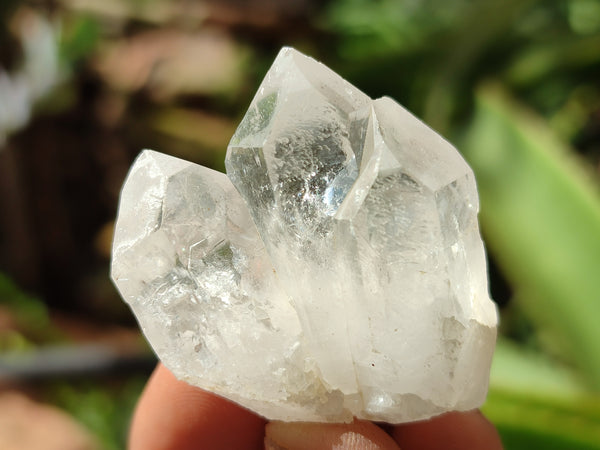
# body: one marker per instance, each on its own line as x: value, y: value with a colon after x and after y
x: 336, y: 271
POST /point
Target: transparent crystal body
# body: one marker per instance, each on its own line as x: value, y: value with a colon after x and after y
x: 336, y: 271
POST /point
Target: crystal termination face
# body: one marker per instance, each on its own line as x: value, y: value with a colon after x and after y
x: 336, y: 271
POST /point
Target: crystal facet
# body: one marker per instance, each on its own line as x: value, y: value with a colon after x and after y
x: 336, y: 271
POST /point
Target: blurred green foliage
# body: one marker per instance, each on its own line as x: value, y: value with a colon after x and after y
x: 536, y: 403
x: 79, y: 38
x: 32, y: 324
x: 104, y: 409
x: 514, y: 83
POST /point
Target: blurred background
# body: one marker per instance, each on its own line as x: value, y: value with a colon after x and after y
x: 85, y: 85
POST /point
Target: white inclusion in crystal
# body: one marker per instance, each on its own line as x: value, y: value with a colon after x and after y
x: 336, y: 271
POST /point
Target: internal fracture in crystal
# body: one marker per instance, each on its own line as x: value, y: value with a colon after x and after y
x: 337, y: 271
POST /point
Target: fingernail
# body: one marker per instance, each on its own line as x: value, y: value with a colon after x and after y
x: 270, y: 444
x: 318, y: 436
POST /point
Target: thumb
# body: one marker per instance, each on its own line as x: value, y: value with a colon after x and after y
x: 358, y: 435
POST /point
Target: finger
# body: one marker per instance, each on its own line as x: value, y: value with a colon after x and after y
x: 359, y: 435
x: 172, y: 415
x: 455, y: 430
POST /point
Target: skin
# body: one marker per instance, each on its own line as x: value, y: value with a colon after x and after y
x: 172, y: 415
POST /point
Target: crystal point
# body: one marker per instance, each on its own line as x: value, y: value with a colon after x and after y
x: 336, y: 271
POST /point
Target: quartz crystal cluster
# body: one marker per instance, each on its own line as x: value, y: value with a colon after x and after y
x: 336, y: 270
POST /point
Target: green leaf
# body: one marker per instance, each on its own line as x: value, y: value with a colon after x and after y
x: 540, y: 213
x: 548, y: 59
x: 535, y: 403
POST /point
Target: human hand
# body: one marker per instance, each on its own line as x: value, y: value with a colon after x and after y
x: 173, y: 415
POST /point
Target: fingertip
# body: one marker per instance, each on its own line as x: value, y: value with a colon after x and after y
x: 171, y: 415
x: 454, y: 430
